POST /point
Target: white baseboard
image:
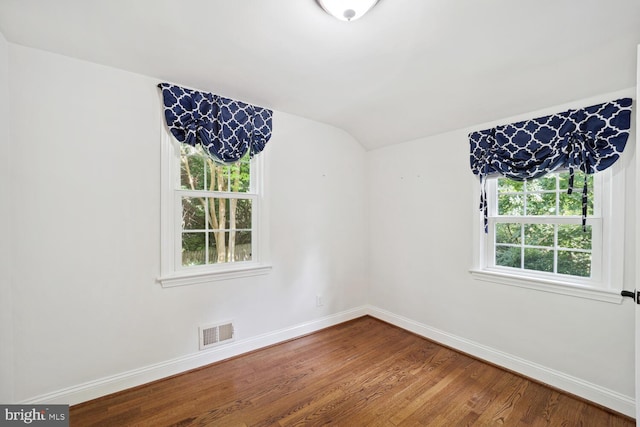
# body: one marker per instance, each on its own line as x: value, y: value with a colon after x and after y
x: 592, y: 392
x: 103, y: 386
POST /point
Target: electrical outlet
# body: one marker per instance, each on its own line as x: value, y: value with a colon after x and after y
x: 319, y: 301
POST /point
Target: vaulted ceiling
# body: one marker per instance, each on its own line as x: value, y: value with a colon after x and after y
x: 409, y: 68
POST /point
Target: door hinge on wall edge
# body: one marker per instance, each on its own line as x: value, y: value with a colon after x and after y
x: 632, y: 294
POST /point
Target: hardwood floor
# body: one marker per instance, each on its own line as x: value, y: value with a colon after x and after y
x: 360, y: 373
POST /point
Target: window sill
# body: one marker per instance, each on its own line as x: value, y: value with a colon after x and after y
x: 556, y: 287
x: 184, y: 278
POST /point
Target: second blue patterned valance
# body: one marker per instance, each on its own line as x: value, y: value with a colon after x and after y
x: 588, y: 139
x: 227, y: 129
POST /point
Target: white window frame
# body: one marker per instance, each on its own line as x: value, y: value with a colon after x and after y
x: 172, y: 273
x: 608, y: 247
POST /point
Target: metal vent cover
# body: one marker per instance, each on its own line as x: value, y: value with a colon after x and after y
x: 215, y: 334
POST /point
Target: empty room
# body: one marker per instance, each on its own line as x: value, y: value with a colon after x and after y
x: 319, y: 212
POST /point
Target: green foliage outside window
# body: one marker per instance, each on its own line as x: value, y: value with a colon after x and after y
x: 215, y: 229
x: 546, y: 246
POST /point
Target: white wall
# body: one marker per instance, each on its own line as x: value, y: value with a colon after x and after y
x: 83, y: 182
x: 423, y: 201
x: 86, y: 156
x: 6, y: 305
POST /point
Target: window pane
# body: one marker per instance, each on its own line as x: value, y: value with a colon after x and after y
x: 216, y: 211
x: 510, y: 204
x: 224, y: 181
x: 193, y: 249
x: 242, y: 209
x: 538, y: 244
x: 240, y: 177
x: 214, y: 229
x: 547, y: 182
x: 229, y: 214
x: 241, y: 250
x: 563, y: 179
x: 193, y: 213
x: 538, y: 234
x: 229, y: 246
x: 217, y: 247
x: 234, y: 178
x: 508, y: 256
x: 574, y: 263
x: 538, y: 259
x: 192, y: 168
x: 541, y: 204
x: 578, y: 180
x: 510, y: 185
x: 572, y: 236
x: 570, y: 204
x: 590, y: 204
x: 220, y: 176
x: 590, y: 182
x: 508, y: 233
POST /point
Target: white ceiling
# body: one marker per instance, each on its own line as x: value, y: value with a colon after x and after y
x: 409, y: 68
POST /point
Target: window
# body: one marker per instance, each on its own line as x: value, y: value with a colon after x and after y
x: 217, y: 209
x: 211, y: 222
x: 536, y: 238
x: 536, y: 226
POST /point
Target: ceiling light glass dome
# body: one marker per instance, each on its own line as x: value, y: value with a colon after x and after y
x: 347, y: 10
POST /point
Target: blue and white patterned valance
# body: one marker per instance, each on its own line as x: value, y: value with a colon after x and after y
x: 588, y: 139
x: 225, y: 128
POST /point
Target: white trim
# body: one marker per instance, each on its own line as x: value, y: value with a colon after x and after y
x: 592, y: 392
x: 107, y: 385
x: 553, y: 286
x: 168, y: 155
x: 613, y: 209
x: 172, y: 273
x: 194, y: 277
x: 608, y: 256
x: 635, y: 284
x: 114, y: 383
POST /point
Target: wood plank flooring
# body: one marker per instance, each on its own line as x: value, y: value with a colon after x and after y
x: 360, y: 373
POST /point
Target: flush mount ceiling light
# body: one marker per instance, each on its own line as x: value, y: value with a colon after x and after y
x: 347, y: 10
